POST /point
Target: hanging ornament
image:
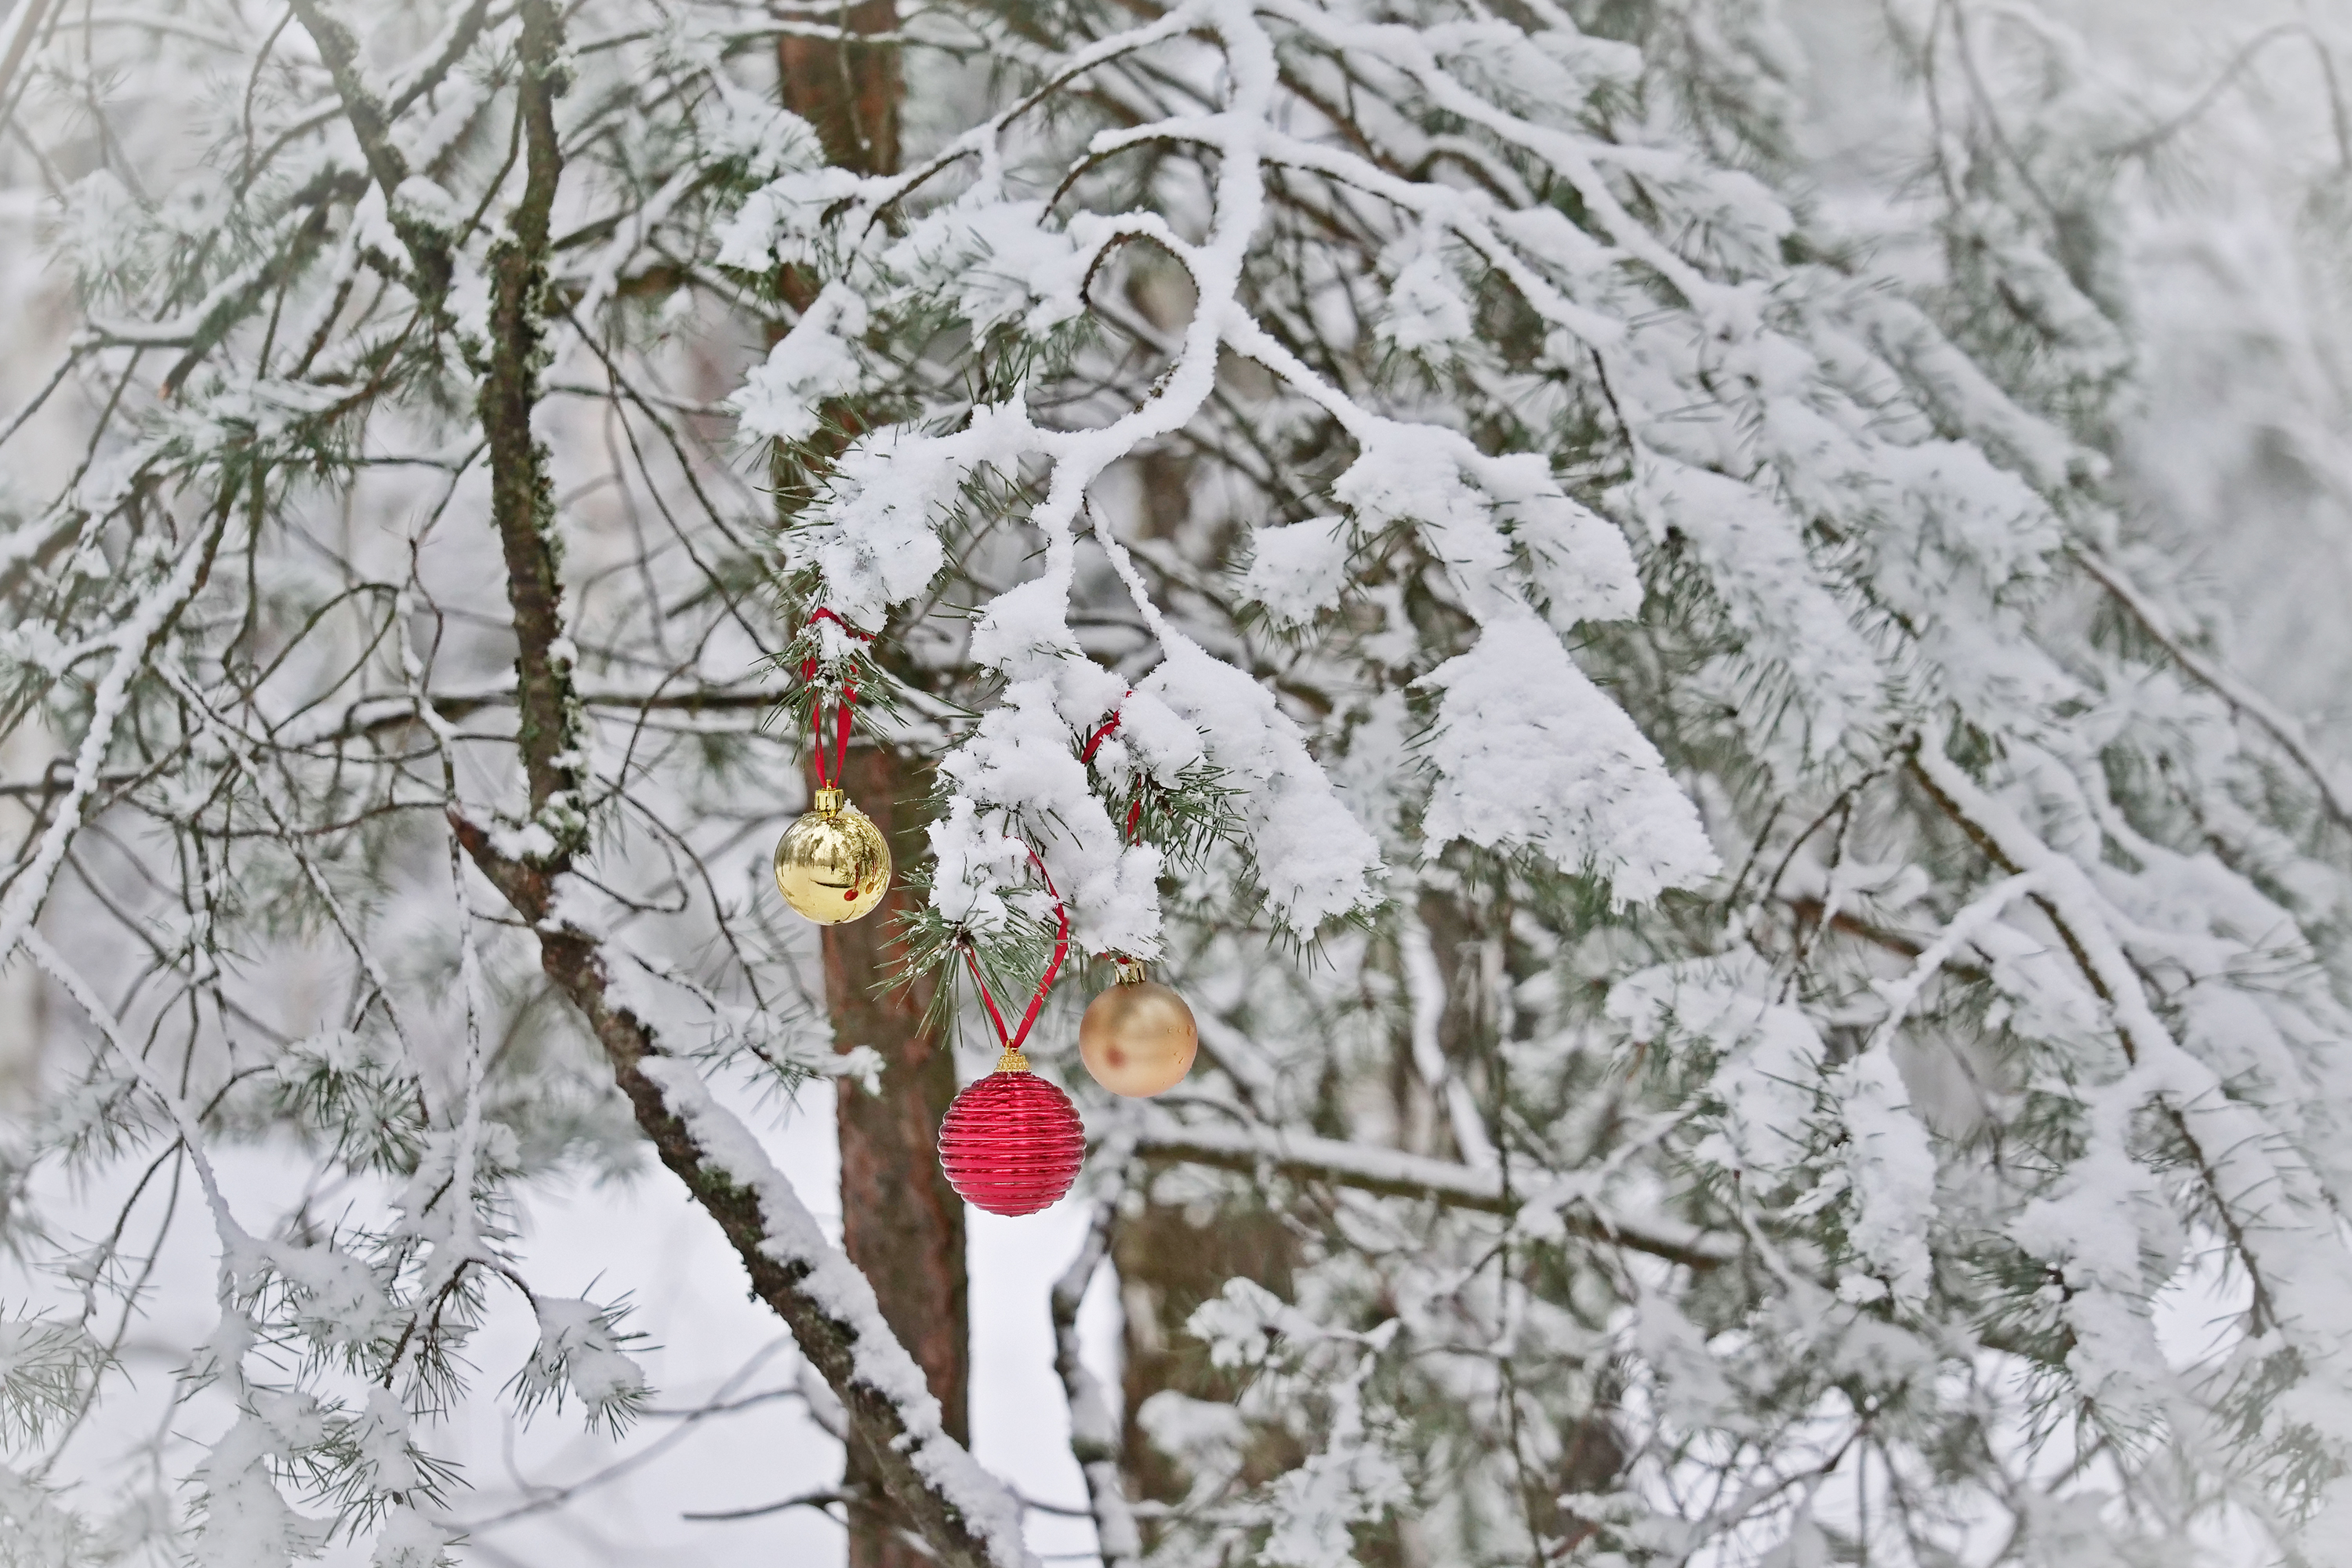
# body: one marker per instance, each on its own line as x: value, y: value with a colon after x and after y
x: 1012, y: 1143
x: 1137, y: 1038
x: 833, y: 865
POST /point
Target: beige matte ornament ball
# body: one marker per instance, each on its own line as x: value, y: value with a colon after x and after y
x: 1137, y: 1038
x: 833, y: 865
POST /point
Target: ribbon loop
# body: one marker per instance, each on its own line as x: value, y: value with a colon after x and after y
x: 1094, y: 742
x: 841, y: 709
x: 1104, y: 731
x: 1011, y: 1040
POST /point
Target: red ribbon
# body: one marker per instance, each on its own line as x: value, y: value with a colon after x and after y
x: 1012, y: 1041
x: 1095, y: 740
x: 840, y: 738
x: 1093, y: 744
x: 841, y: 713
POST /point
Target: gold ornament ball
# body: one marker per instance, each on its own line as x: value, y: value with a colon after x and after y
x: 833, y: 865
x: 1137, y: 1038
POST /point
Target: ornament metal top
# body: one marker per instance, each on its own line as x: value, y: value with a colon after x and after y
x: 833, y: 865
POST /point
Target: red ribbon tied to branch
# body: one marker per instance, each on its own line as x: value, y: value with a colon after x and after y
x: 1011, y: 1040
x: 841, y: 712
x: 1108, y: 728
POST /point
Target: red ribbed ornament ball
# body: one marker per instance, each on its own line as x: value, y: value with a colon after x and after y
x: 1012, y: 1141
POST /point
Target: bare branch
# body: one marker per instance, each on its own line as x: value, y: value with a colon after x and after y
x: 2243, y: 699
x: 1392, y: 1172
x: 1094, y: 1429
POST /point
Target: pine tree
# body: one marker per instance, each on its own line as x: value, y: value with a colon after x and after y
x: 1747, y: 941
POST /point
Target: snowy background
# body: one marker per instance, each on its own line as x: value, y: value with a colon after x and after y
x: 2237, y: 271
x: 2239, y: 275
x: 547, y: 1493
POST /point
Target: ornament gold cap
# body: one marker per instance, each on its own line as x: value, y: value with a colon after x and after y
x: 827, y: 800
x: 1013, y: 1061
x: 1130, y: 971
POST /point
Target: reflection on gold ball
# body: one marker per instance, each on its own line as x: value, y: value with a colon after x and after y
x: 1137, y: 1038
x: 833, y: 865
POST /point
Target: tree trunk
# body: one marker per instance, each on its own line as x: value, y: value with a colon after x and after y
x: 849, y: 92
x: 900, y: 1221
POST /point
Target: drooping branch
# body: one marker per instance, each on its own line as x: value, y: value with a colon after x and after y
x: 2238, y: 1172
x: 964, y: 1517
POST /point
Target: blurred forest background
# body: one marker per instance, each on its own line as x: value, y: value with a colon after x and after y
x: 2238, y: 274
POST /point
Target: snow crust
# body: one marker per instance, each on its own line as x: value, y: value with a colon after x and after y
x: 1529, y: 752
x: 815, y: 362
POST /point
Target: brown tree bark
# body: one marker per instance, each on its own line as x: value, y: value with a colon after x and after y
x: 901, y: 1223
x: 899, y: 1459
x: 848, y: 91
